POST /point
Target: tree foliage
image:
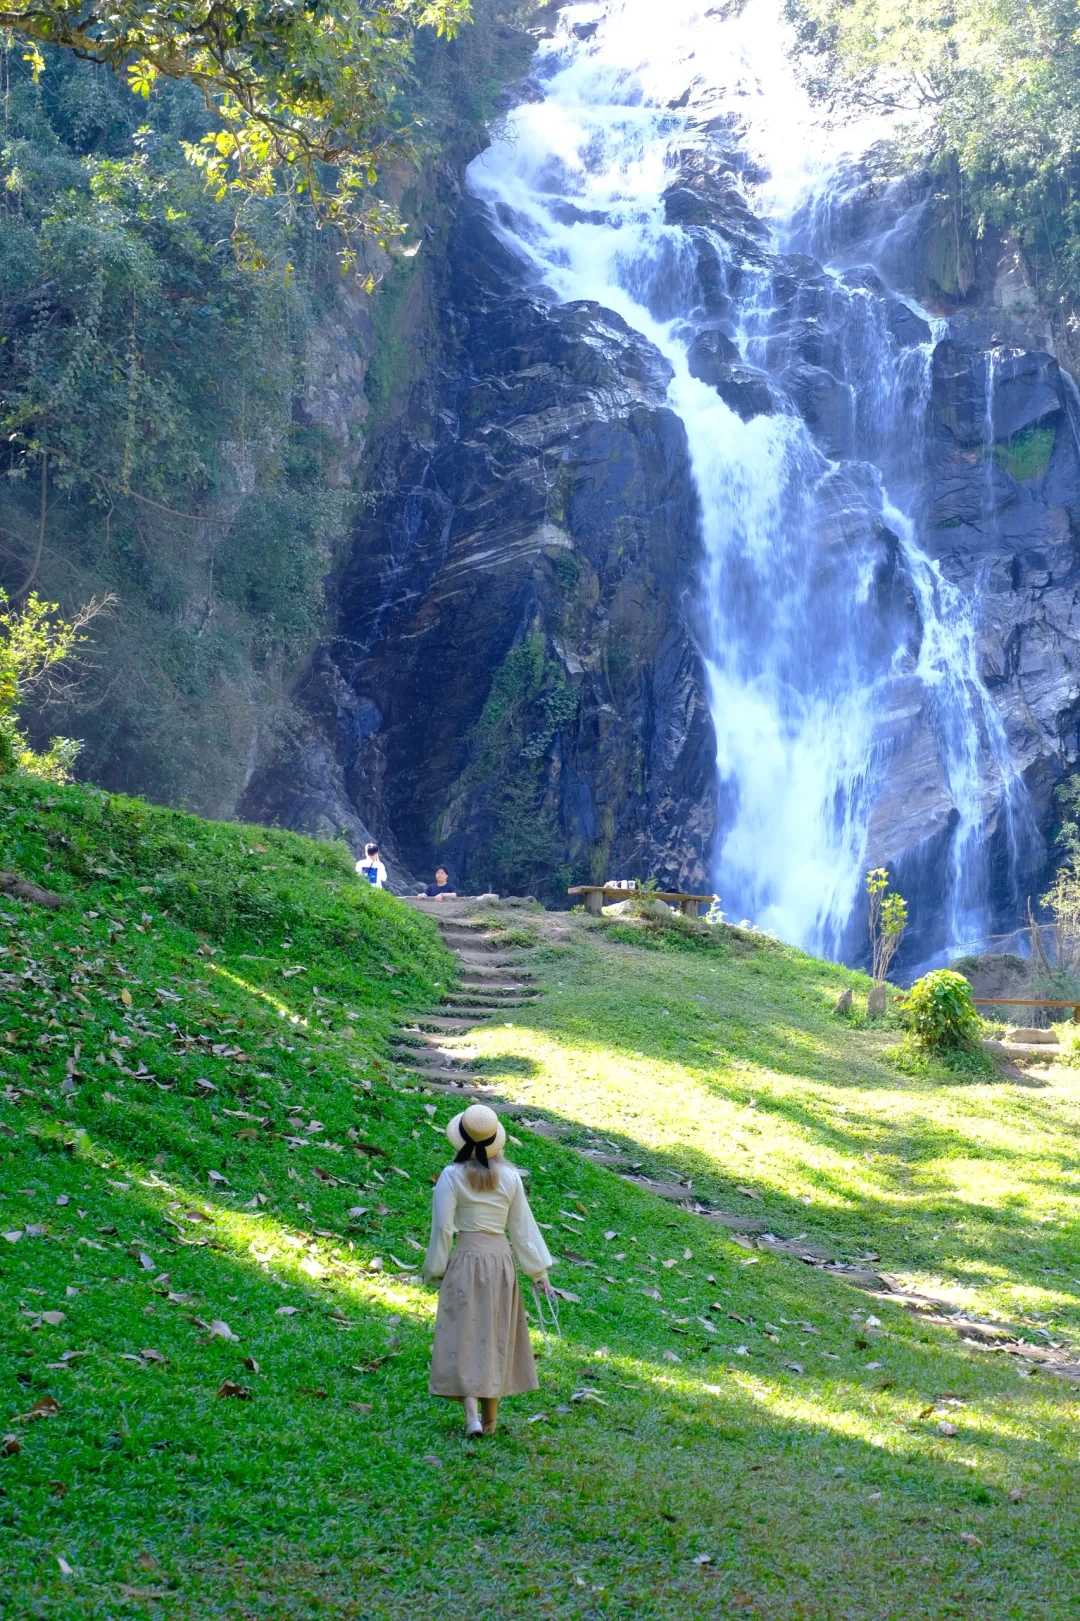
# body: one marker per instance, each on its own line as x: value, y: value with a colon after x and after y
x: 154, y: 441
x: 36, y: 644
x: 888, y: 917
x: 302, y: 94
x: 1057, y: 960
x: 986, y: 86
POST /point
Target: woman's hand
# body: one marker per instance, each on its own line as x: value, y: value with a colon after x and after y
x: 545, y: 1286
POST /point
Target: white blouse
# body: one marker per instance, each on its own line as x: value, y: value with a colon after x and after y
x: 458, y: 1208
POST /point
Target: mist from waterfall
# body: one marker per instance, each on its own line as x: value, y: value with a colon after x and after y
x: 820, y: 618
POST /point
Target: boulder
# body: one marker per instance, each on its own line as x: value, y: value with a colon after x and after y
x: 877, y: 1000
x: 1031, y: 1035
x: 826, y: 404
x: 909, y: 329
x: 747, y: 390
x: 710, y: 351
x: 1027, y: 391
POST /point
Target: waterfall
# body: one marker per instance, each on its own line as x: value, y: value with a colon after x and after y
x: 803, y: 383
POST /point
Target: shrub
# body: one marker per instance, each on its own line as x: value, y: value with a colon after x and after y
x: 888, y: 916
x: 35, y: 643
x: 940, y: 1014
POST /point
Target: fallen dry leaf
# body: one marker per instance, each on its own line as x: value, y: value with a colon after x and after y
x: 750, y: 1193
x: 251, y: 1365
x: 65, y: 1568
x: 945, y: 1428
x: 220, y: 1330
x: 672, y: 1356
x: 971, y: 1539
x: 229, y: 1387
x: 45, y: 1407
x: 9, y: 1446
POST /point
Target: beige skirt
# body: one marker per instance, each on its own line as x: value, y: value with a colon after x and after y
x: 481, y: 1336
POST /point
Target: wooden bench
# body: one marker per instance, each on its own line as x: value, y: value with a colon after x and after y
x: 1026, y: 1001
x: 596, y: 894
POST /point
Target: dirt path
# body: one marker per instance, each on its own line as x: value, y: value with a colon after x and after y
x: 492, y: 981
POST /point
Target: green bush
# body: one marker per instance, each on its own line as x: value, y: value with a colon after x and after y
x: 1027, y: 455
x: 939, y: 1012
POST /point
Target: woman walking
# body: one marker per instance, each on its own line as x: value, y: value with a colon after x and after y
x: 482, y: 1349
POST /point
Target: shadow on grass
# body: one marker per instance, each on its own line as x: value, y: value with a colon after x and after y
x: 1002, y: 1241
x: 157, y: 1462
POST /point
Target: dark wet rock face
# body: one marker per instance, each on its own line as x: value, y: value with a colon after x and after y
x: 517, y: 691
x: 515, y: 686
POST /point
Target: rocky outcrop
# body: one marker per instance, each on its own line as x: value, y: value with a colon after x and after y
x: 516, y: 685
x: 516, y: 690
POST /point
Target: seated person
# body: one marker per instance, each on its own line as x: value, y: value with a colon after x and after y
x: 370, y: 866
x: 441, y: 889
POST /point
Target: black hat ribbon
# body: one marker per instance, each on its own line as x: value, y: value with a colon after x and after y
x: 473, y: 1146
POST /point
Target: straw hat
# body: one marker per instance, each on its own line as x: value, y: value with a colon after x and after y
x: 477, y: 1122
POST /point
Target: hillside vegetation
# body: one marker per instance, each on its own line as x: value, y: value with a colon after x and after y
x: 215, y: 1187
x: 191, y: 382
x: 984, y: 91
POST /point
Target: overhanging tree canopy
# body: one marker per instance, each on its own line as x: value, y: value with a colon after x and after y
x: 302, y: 91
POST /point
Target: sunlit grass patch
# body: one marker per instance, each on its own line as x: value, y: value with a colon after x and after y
x: 218, y: 1212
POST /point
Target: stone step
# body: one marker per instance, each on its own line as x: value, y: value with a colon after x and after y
x: 428, y: 1053
x: 480, y: 974
x: 433, y: 1075
x: 452, y: 1085
x: 478, y: 1016
x: 466, y: 937
x: 494, y: 1006
x: 495, y: 989
x: 447, y: 1023
x: 493, y: 958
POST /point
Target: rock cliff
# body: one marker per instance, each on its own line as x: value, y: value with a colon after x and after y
x: 517, y: 686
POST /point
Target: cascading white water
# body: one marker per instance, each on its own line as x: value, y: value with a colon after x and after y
x: 802, y: 659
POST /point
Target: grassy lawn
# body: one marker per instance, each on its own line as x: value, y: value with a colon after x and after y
x: 731, y: 1066
x: 213, y: 1193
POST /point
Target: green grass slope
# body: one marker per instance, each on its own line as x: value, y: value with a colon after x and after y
x: 214, y: 1189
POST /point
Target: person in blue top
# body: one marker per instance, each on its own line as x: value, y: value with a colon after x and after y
x: 370, y: 867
